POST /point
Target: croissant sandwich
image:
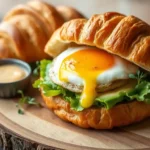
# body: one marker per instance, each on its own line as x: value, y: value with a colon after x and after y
x: 26, y: 29
x: 99, y: 77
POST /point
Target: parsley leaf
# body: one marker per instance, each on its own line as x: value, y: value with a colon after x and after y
x: 139, y: 76
x: 25, y: 100
x: 36, y: 69
x: 20, y: 111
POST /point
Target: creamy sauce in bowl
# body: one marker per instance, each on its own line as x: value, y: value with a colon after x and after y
x: 11, y: 73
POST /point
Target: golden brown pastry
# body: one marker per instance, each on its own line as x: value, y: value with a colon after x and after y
x: 29, y: 27
x: 99, y: 118
x: 125, y: 36
x: 7, y: 46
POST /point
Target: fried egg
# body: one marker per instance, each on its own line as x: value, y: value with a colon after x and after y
x: 86, y: 68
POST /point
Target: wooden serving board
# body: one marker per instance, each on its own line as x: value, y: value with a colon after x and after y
x: 41, y: 126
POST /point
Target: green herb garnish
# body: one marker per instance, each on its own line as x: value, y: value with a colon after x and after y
x: 20, y: 111
x: 139, y: 76
x: 25, y: 100
x: 36, y: 70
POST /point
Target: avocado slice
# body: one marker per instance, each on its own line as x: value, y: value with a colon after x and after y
x: 111, y: 98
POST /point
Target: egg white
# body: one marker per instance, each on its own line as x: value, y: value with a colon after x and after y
x: 120, y: 70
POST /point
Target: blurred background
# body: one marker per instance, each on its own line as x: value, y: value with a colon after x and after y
x: 139, y: 8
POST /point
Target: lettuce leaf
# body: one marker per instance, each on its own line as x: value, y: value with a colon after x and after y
x: 141, y: 92
x: 52, y: 89
x: 109, y: 103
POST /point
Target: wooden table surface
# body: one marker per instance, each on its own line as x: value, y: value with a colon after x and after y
x: 140, y: 8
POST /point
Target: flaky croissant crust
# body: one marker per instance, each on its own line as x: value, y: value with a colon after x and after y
x: 99, y: 118
x: 125, y: 36
x: 26, y: 29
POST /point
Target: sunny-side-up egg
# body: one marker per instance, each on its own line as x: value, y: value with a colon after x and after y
x: 88, y: 70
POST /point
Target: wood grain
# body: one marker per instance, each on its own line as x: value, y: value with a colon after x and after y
x: 40, y: 127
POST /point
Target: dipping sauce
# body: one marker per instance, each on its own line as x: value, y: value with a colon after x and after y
x: 11, y: 73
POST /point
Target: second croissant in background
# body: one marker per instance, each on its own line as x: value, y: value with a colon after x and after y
x: 26, y: 29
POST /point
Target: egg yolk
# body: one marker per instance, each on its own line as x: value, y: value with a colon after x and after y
x: 87, y: 64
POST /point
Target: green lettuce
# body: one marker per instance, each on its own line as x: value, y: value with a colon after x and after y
x: 141, y: 92
x: 51, y: 89
x: 109, y: 103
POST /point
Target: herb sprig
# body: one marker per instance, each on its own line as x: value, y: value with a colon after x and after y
x: 36, y: 70
x: 139, y: 76
x: 25, y: 100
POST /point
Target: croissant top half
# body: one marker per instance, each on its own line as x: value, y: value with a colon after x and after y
x: 125, y: 36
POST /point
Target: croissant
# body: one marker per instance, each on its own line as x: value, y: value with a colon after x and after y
x: 26, y: 29
x: 125, y: 36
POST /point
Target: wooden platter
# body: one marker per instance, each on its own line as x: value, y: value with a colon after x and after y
x: 39, y: 126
